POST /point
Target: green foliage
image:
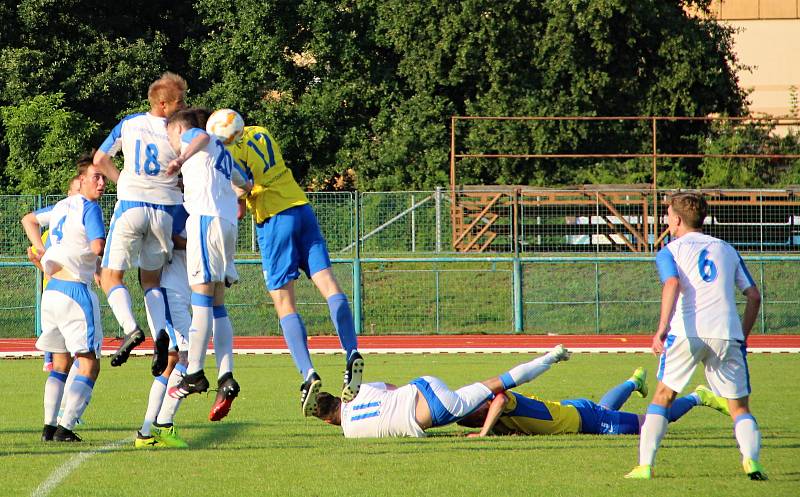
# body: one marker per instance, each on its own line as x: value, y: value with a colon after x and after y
x: 44, y: 139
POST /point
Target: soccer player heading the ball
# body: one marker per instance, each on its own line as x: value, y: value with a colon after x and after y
x: 699, y: 324
x: 290, y: 239
x: 209, y: 177
x: 384, y: 410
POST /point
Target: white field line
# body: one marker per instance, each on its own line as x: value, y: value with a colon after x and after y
x: 432, y: 350
x: 71, y: 465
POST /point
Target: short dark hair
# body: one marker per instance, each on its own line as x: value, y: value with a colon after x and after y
x: 202, y: 115
x: 328, y: 408
x: 187, y: 117
x: 689, y: 206
x: 84, y: 162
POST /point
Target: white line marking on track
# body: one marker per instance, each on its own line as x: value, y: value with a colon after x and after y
x: 71, y: 465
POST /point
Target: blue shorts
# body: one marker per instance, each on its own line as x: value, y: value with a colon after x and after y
x: 597, y: 420
x: 290, y: 241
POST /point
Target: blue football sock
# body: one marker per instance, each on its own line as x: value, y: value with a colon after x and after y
x: 342, y: 319
x: 294, y: 332
x: 617, y: 396
x: 681, y: 406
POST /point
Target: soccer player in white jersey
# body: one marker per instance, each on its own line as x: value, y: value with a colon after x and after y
x: 158, y: 429
x: 209, y: 178
x: 141, y: 227
x: 71, y: 324
x: 700, y: 324
x: 384, y: 410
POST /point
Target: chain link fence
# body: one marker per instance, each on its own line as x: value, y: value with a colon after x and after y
x: 583, y: 262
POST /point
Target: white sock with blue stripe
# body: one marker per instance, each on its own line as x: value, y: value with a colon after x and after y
x: 200, y: 331
x: 157, y: 391
x: 73, y: 372
x: 53, y: 393
x: 526, y: 372
x: 653, y: 430
x: 170, y: 405
x: 223, y: 341
x: 748, y: 436
x: 78, y: 397
x: 156, y: 310
x: 119, y: 299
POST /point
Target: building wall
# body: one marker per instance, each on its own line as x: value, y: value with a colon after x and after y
x: 768, y: 41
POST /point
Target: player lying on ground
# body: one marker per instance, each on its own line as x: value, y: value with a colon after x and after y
x: 700, y: 323
x: 384, y: 410
x: 512, y: 413
x: 71, y: 324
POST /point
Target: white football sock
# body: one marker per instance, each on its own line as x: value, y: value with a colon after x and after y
x: 78, y: 397
x: 119, y: 299
x: 53, y: 393
x: 156, y: 311
x: 748, y: 436
x: 653, y: 430
x: 157, y: 391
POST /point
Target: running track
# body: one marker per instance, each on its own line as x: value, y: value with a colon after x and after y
x: 416, y: 344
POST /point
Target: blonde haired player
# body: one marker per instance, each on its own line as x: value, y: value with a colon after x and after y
x: 209, y: 178
x: 290, y: 240
x: 71, y: 324
x: 700, y: 324
x: 141, y: 227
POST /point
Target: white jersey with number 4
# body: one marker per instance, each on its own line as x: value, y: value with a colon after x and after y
x: 75, y: 223
x: 709, y: 271
x: 143, y: 141
x: 377, y: 412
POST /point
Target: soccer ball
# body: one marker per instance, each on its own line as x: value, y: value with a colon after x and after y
x: 226, y: 124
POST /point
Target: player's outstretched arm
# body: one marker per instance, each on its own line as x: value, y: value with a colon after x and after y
x: 669, y: 295
x: 31, y: 226
x: 198, y: 143
x: 103, y: 162
x: 493, y: 414
x: 750, y: 309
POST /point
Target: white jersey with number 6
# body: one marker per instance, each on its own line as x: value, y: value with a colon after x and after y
x: 709, y: 271
x: 143, y: 141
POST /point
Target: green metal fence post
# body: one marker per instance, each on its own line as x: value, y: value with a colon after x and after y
x: 37, y: 320
x: 519, y: 322
x: 357, y: 302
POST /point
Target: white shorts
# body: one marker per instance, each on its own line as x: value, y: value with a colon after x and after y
x: 447, y: 406
x: 140, y: 235
x: 179, y: 319
x: 725, y: 364
x: 210, y: 248
x: 71, y: 321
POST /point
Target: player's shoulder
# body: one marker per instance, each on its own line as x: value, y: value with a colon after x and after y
x: 133, y: 117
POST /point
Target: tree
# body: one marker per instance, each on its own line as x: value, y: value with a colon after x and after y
x: 44, y: 140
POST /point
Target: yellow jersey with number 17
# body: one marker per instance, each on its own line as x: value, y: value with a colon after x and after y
x: 274, y: 187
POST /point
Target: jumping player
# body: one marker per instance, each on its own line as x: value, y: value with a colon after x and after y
x: 211, y: 230
x: 512, y: 413
x: 290, y: 239
x: 141, y: 227
x: 699, y: 324
x: 71, y: 324
x: 384, y: 410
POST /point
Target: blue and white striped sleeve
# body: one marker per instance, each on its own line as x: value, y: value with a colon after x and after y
x: 93, y: 220
x: 43, y: 215
x: 113, y: 141
x: 743, y: 278
x: 190, y: 135
x: 666, y: 265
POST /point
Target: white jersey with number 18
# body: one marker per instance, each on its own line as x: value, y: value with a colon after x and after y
x: 143, y: 141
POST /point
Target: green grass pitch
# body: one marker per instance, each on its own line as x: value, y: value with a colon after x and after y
x: 265, y: 446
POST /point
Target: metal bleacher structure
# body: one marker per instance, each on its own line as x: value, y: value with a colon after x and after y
x: 610, y: 218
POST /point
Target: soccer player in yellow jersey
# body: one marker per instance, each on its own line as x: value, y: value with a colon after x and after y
x: 290, y: 239
x: 512, y: 413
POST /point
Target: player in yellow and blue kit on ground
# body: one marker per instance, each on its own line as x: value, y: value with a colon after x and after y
x: 290, y: 239
x: 512, y: 413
